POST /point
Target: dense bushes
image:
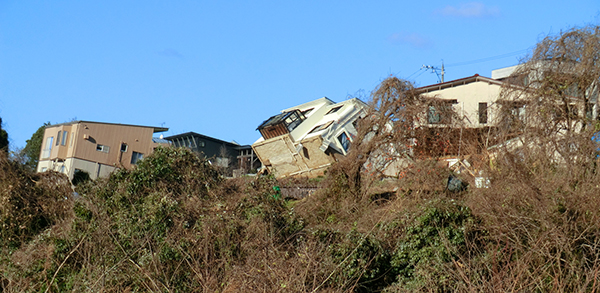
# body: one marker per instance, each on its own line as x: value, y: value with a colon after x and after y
x: 29, y: 202
x: 173, y: 224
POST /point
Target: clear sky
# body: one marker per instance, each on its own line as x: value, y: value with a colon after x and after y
x: 220, y: 68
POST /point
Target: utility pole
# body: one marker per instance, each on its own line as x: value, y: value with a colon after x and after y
x: 438, y: 71
x: 443, y: 72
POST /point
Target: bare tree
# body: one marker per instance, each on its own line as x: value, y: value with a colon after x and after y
x: 551, y: 100
x: 397, y: 130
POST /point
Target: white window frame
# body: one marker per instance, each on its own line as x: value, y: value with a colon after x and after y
x: 136, y: 157
x: 102, y: 148
x: 64, y: 137
x: 343, y: 136
x: 48, y: 149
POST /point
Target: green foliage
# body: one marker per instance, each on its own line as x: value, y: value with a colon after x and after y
x: 3, y: 138
x: 169, y: 224
x: 177, y: 170
x: 437, y: 237
x: 32, y: 149
x: 365, y: 263
x: 82, y: 212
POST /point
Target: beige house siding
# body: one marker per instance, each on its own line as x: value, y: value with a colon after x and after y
x: 138, y: 139
x: 285, y: 158
x: 68, y: 166
x: 93, y: 147
x: 469, y: 93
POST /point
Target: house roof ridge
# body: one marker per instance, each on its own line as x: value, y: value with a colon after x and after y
x: 200, y: 135
x: 156, y: 128
x: 460, y: 81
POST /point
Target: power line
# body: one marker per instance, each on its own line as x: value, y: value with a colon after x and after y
x: 489, y: 58
x: 421, y: 70
x: 414, y: 73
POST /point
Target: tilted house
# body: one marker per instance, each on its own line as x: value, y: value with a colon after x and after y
x: 97, y: 148
x: 305, y: 139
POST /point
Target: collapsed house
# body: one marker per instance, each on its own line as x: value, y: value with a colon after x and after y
x: 461, y: 117
x: 306, y: 139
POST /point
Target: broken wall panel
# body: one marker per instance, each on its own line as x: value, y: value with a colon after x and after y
x: 285, y: 158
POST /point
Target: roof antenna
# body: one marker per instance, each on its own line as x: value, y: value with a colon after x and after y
x: 438, y: 71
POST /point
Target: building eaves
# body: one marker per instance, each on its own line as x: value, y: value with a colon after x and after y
x: 457, y: 82
x: 194, y: 134
x: 324, y: 100
x: 243, y: 147
x: 274, y: 119
x: 160, y: 140
x: 155, y: 129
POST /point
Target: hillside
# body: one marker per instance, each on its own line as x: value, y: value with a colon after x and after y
x: 173, y: 225
x: 528, y: 220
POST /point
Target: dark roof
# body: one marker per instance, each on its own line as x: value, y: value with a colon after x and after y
x: 160, y: 140
x: 275, y: 119
x: 194, y: 134
x: 243, y: 147
x: 156, y: 129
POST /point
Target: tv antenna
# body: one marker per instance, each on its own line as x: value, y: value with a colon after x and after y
x: 438, y: 71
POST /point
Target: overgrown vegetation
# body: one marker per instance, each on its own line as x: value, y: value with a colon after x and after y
x: 173, y: 224
x: 31, y: 152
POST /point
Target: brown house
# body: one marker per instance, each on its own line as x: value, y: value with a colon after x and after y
x: 97, y: 148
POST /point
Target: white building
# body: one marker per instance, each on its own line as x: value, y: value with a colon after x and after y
x: 305, y: 139
x: 474, y: 99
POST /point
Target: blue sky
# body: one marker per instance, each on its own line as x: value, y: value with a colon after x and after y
x: 220, y: 68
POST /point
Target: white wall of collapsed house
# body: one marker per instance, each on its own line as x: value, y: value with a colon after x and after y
x: 312, y: 146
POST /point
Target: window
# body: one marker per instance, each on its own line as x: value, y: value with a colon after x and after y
x: 48, y: 148
x: 518, y: 113
x: 483, y: 113
x: 440, y: 112
x: 123, y: 147
x: 356, y: 122
x: 317, y: 128
x: 345, y: 141
x: 201, y: 144
x: 321, y: 127
x: 136, y: 157
x: 293, y: 120
x: 44, y: 169
x: 589, y: 111
x: 64, y: 138
x: 513, y: 114
x: 334, y: 110
x: 72, y: 137
x: 58, y: 137
x: 433, y: 116
x: 102, y: 148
